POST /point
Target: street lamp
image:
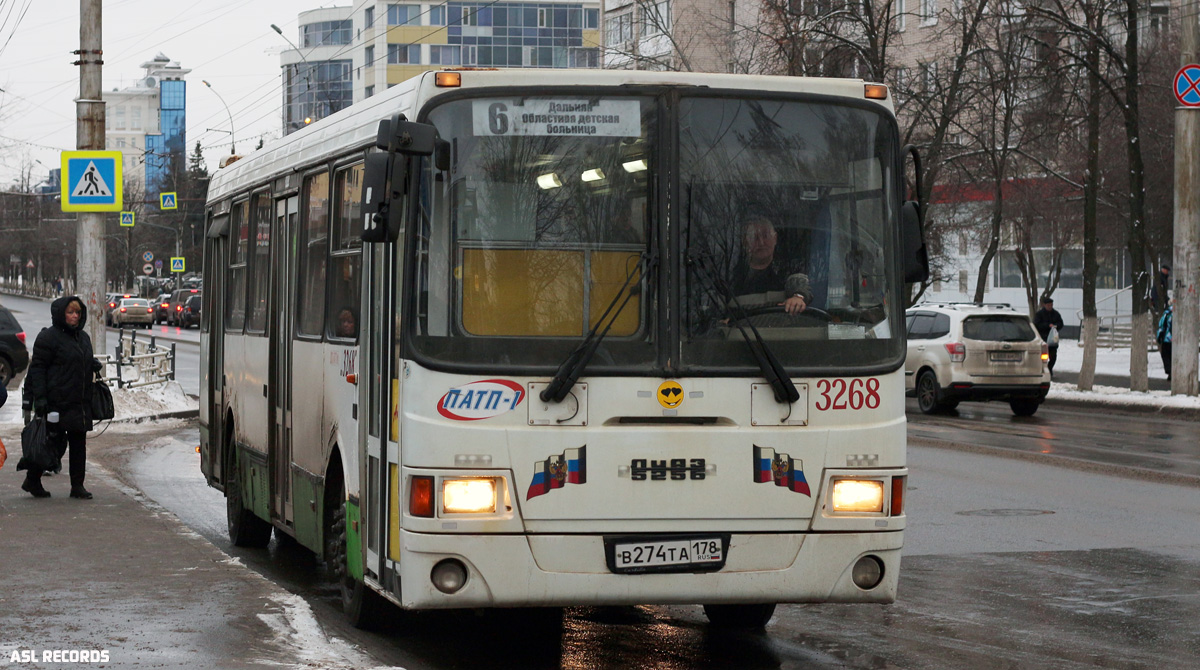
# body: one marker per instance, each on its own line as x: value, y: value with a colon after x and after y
x: 232, y: 138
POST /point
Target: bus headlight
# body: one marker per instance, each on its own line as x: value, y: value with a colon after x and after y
x: 468, y: 496
x: 857, y: 495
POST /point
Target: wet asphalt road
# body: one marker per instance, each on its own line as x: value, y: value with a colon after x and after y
x: 1009, y: 563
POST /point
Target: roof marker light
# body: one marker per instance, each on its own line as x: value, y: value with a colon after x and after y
x: 876, y: 91
x: 447, y: 79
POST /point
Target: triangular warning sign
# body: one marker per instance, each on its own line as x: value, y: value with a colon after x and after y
x: 91, y: 183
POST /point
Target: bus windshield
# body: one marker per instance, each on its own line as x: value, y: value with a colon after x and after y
x: 549, y: 207
x: 788, y: 217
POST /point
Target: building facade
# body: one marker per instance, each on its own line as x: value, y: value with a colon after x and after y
x: 147, y: 123
x: 347, y: 54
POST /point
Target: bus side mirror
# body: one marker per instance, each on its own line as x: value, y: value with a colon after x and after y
x: 441, y: 155
x: 384, y: 179
x: 402, y: 136
x: 916, y: 256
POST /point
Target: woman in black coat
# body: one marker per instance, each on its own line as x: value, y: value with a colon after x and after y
x: 60, y: 380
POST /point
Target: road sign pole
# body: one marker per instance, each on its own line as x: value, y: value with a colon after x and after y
x: 1185, y: 334
x: 91, y: 270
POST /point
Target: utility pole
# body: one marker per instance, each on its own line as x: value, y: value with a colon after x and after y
x: 91, y: 271
x: 1185, y: 334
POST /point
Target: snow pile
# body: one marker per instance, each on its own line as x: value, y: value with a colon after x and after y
x: 146, y: 401
x: 1112, y: 395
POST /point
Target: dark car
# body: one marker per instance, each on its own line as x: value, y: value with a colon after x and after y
x: 190, y: 314
x: 178, y: 299
x: 14, y: 356
x: 161, y: 305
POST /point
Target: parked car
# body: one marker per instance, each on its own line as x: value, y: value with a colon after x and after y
x: 14, y: 356
x: 162, y: 304
x: 133, y: 312
x: 175, y: 306
x: 968, y: 351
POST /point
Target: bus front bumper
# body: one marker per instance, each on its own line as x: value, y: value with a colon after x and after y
x: 567, y: 570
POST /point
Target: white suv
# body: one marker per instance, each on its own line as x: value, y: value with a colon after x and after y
x: 968, y: 351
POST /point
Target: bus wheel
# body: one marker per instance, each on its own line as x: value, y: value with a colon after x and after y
x: 245, y: 529
x: 740, y: 617
x: 362, y: 606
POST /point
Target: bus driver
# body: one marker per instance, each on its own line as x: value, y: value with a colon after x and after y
x: 759, y: 272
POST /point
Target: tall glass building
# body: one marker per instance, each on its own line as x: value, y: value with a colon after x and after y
x: 347, y: 54
x: 147, y: 123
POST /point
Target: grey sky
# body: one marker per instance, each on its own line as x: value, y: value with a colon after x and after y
x: 227, y: 42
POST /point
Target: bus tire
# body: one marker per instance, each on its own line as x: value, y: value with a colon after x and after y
x: 740, y: 617
x: 245, y: 529
x: 363, y: 607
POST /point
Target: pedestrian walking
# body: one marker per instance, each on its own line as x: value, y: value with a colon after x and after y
x: 60, y: 384
x: 1049, y: 322
x: 1164, y: 336
x: 1160, y: 289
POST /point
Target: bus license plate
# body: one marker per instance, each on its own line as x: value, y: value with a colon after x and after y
x: 665, y: 555
x: 1007, y: 356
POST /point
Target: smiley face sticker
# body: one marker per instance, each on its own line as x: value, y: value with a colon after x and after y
x: 670, y: 394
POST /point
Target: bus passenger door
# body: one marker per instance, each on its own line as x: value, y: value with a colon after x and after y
x: 212, y: 344
x: 282, y: 282
x: 379, y: 394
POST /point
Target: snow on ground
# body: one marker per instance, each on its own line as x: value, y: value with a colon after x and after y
x: 1108, y: 361
x: 151, y: 401
x: 1122, y: 397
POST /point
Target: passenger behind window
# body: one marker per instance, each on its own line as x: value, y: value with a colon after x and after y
x: 347, y: 323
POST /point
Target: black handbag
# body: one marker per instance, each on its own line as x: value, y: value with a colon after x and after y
x: 37, y: 447
x: 102, y: 402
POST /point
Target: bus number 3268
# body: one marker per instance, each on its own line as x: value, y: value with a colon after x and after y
x: 837, y: 394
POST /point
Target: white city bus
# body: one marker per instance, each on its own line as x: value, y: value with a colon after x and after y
x: 483, y: 342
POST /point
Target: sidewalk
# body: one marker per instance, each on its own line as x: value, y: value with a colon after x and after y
x: 119, y: 575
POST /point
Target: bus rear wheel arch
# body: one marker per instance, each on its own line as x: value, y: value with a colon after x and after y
x: 245, y: 528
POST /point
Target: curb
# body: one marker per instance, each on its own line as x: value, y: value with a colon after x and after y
x: 1184, y: 413
x: 181, y: 414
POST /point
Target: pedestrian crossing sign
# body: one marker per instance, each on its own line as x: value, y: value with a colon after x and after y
x: 126, y: 218
x: 91, y: 181
x: 167, y: 201
x: 176, y: 264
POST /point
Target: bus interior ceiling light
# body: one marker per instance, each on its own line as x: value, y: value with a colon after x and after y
x: 857, y: 495
x: 549, y: 181
x: 447, y: 79
x: 638, y: 165
x: 469, y: 496
x: 594, y: 174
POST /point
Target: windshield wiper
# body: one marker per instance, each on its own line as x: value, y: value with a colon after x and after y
x: 772, y: 369
x: 570, y: 369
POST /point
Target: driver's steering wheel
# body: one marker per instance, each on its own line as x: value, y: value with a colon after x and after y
x: 758, y: 310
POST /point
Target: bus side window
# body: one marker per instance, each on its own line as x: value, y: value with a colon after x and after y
x: 342, y: 307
